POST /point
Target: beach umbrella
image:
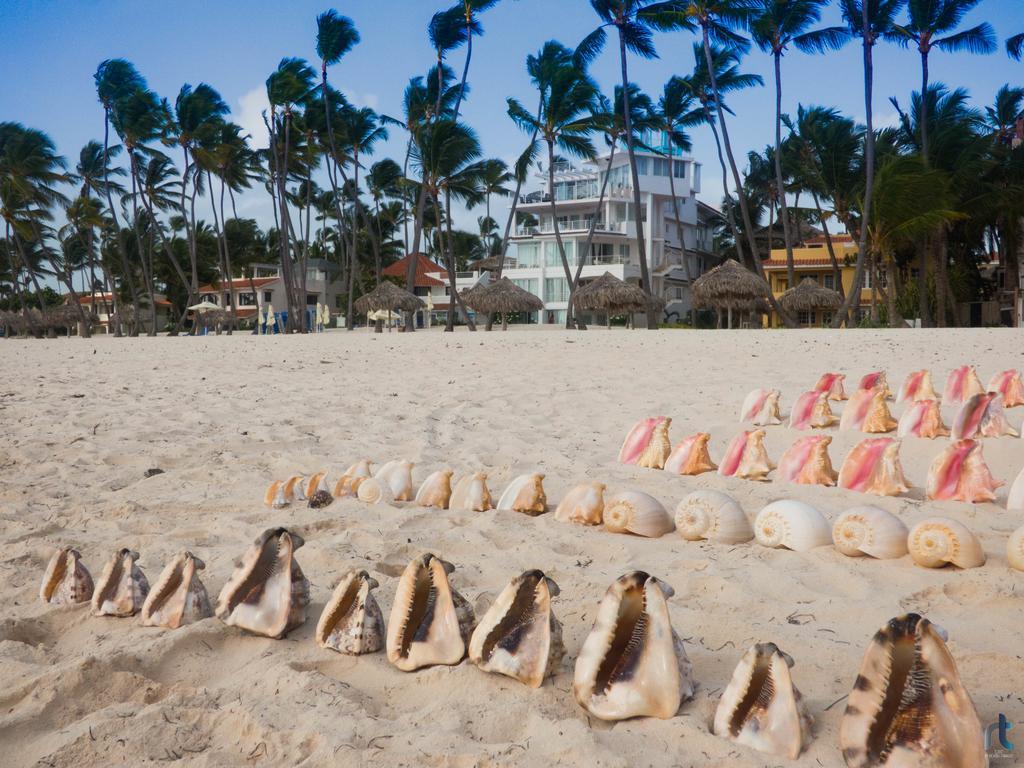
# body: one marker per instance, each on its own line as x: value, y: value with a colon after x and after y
x: 388, y: 296
x: 613, y: 296
x: 808, y: 296
x: 490, y: 264
x: 502, y: 296
x: 729, y: 286
x: 271, y: 321
x: 204, y: 306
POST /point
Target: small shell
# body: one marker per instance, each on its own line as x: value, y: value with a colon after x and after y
x: 66, y: 579
x: 1015, y: 501
x: 832, y: 383
x: 690, y: 456
x: 746, y: 457
x: 122, y: 587
x: 940, y: 540
x: 1015, y: 549
x: 923, y: 418
x: 917, y: 386
x: 761, y: 408
x: 713, y: 515
x: 1009, y: 385
x: 351, y: 621
x: 471, y: 494
x: 793, y: 525
x: 282, y: 493
x: 525, y: 494
x: 811, y: 409
x: 320, y: 499
x: 807, y: 462
x: 179, y: 597
x: 583, y: 504
x: 962, y: 385
x: 870, y: 531
x: 349, y: 482
x: 638, y: 513
x: 647, y: 444
x: 398, y: 476
x: 373, y: 490
x: 868, y: 412
x: 436, y: 490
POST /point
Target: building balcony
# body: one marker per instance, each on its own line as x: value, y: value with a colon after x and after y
x: 535, y: 199
x: 571, y: 227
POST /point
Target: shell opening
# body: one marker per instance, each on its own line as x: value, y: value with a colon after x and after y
x: 905, y: 714
x: 758, y: 697
x: 267, y: 565
x: 512, y: 628
x: 624, y: 652
x: 420, y: 613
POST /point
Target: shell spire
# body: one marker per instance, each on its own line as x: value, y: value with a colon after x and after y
x: 811, y: 409
x: 471, y: 494
x: 436, y: 490
x: 1010, y: 386
x: 746, y: 457
x: 583, y: 504
x: 960, y: 473
x: 525, y: 494
x: 873, y: 466
x: 690, y: 456
x: 923, y: 418
x: 982, y: 416
x: 868, y: 412
x: 793, y: 525
x: 638, y: 513
x: 712, y: 515
x: 832, y: 383
x: 870, y: 531
x: 939, y: 541
x: 66, y: 579
x: 962, y: 384
x: 122, y: 587
x: 179, y: 597
x: 351, y: 622
x: 807, y: 462
x: 647, y: 444
x: 761, y: 408
x: 917, y: 386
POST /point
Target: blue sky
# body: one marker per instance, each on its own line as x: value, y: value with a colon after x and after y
x: 49, y: 50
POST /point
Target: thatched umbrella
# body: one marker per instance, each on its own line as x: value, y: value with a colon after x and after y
x: 611, y: 295
x: 729, y: 286
x: 808, y: 296
x: 490, y: 264
x: 502, y: 296
x: 390, y: 297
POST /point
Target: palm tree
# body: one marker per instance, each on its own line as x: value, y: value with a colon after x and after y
x: 383, y: 182
x: 93, y: 172
x: 469, y: 9
x: 492, y: 182
x: 1004, y: 113
x: 1015, y: 46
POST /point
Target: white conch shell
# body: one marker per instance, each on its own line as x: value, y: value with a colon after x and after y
x: 761, y: 708
x: 832, y: 383
x: 690, y: 456
x: 807, y: 462
x: 870, y: 531
x: 179, y: 597
x: 374, y: 490
x: 746, y: 457
x: 793, y: 525
x: 436, y: 490
x: 922, y: 418
x: 267, y: 593
x: 938, y: 541
x: 811, y: 409
x: 761, y: 408
x: 583, y: 504
x: 398, y: 476
x: 908, y: 707
x: 525, y: 494
x: 647, y: 444
x: 1015, y: 501
x: 519, y: 635
x: 1010, y: 386
x: 633, y: 663
x: 868, y: 412
x: 1015, y: 549
x: 122, y: 588
x: 281, y: 493
x: 962, y: 385
x: 712, y: 515
x: 873, y: 466
x: 430, y: 621
x: 960, y: 473
x: 351, y: 621
x: 66, y: 579
x: 315, y: 483
x: 348, y: 483
x: 982, y: 415
x: 917, y: 386
x: 638, y: 513
x: 470, y: 494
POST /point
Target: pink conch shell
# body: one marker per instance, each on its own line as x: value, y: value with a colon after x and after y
x: 876, y: 379
x: 962, y: 385
x: 647, y: 444
x: 807, y: 462
x: 690, y: 456
x: 917, y: 386
x: 873, y: 466
x: 832, y: 383
x: 868, y: 412
x: 746, y: 457
x: 982, y: 416
x: 811, y: 409
x: 761, y: 408
x: 922, y: 419
x: 959, y: 473
x: 1009, y: 385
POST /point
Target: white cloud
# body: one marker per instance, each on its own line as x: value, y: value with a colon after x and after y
x: 250, y: 116
x: 370, y: 100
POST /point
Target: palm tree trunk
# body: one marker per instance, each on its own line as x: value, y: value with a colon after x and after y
x: 147, y: 274
x: 193, y: 288
x: 730, y: 216
x: 679, y: 223
x: 227, y: 261
x: 515, y: 198
x: 923, y: 248
x: 780, y: 184
x: 581, y: 259
x: 558, y: 232
x: 121, y: 244
x: 837, y: 274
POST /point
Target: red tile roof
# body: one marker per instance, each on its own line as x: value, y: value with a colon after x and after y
x: 423, y: 266
x: 239, y: 283
x: 86, y: 299
x: 799, y: 263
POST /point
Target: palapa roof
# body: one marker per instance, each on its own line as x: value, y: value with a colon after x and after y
x: 808, y: 296
x: 388, y: 296
x: 490, y: 264
x: 501, y: 296
x: 609, y: 293
x: 729, y: 284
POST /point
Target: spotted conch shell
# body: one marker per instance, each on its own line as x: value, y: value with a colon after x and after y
x: 66, y: 579
x: 351, y: 622
x: 122, y: 587
x: 690, y: 456
x: 870, y: 531
x: 471, y: 494
x: 583, y: 504
x: 922, y: 418
x: 1010, y: 386
x: 179, y: 597
x: 525, y: 494
x: 267, y: 594
x: 908, y: 706
x: 876, y: 379
x: 807, y: 462
x: 811, y: 409
x: 430, y: 621
x: 960, y: 473
x: 982, y: 416
x: 832, y: 383
x: 519, y: 635
x: 746, y: 457
x: 761, y: 408
x: 633, y: 664
x: 282, y: 493
x: 873, y: 466
x: 868, y: 412
x: 939, y: 541
x: 348, y: 483
x: 436, y: 490
x: 398, y: 476
x: 917, y: 386
x: 1015, y: 501
x: 647, y: 444
x: 962, y: 384
x: 761, y: 708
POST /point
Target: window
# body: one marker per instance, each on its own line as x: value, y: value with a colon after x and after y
x: 867, y: 280
x: 679, y: 169
x: 339, y: 301
x: 312, y: 299
x: 528, y: 254
x: 246, y: 300
x: 268, y: 296
x: 556, y: 289
x: 552, y: 256
x: 826, y: 319
x: 530, y: 285
x: 642, y: 166
x: 805, y: 318
x: 661, y: 167
x: 227, y: 299
x: 829, y: 281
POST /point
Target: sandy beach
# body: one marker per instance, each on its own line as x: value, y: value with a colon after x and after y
x: 83, y: 420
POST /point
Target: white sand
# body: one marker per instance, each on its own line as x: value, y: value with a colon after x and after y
x: 82, y: 420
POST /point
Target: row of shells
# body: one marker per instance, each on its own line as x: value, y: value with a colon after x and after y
x: 632, y: 663
x: 961, y: 385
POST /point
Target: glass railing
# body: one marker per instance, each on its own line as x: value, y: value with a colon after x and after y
x: 572, y: 225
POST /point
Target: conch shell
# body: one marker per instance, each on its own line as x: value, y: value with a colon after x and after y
x: 793, y: 525
x: 960, y: 473
x: 316, y: 482
x: 281, y: 493
x: 873, y: 466
x: 690, y: 456
x: 761, y: 408
x: 398, y: 476
x: 938, y: 541
x: 1015, y: 549
x: 633, y: 663
x: 267, y: 594
x: 525, y: 494
x: 908, y: 706
x: 712, y: 515
x: 1015, y: 501
x: 811, y: 409
x: 122, y: 587
x: 876, y: 379
x: 1010, y: 386
x: 179, y: 597
x: 637, y: 513
x: 917, y: 386
x: 962, y: 385
x: 647, y: 444
x: 807, y: 462
x: 982, y: 416
x: 746, y: 457
x: 470, y: 494
x: 374, y: 490
x: 832, y: 383
x: 923, y: 418
x: 761, y: 708
x: 870, y: 531
x: 436, y: 490
x: 519, y: 635
x: 430, y: 621
x: 66, y: 580
x: 351, y: 621
x: 348, y: 483
x: 868, y: 412
x: 583, y: 504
